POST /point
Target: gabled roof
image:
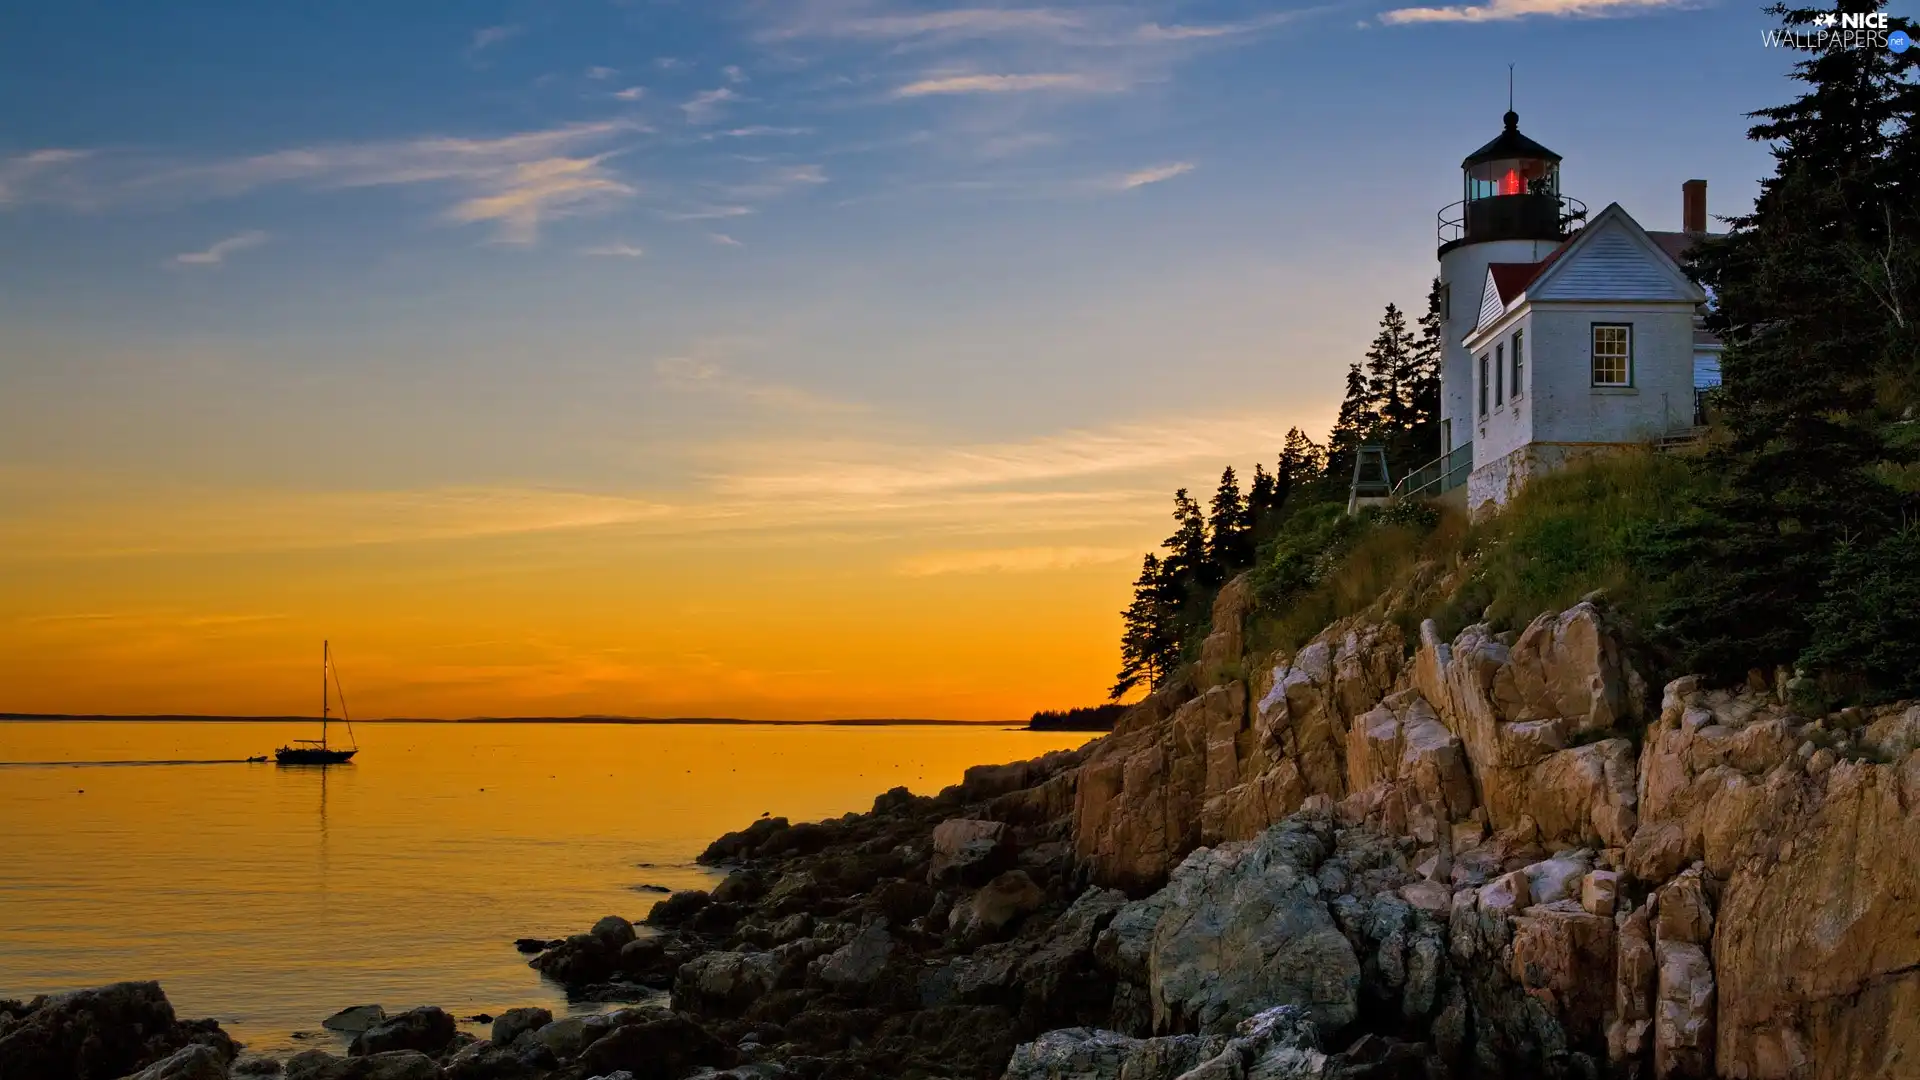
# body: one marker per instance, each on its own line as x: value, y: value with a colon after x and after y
x: 1510, y: 279
x: 1643, y: 265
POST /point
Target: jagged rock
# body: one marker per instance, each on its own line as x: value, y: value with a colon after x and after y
x: 1059, y: 982
x: 857, y: 964
x: 195, y: 1062
x: 998, y: 905
x: 256, y: 1066
x: 968, y: 851
x: 99, y: 1034
x: 393, y: 1065
x: 737, y: 845
x: 1275, y: 1044
x: 654, y: 1044
x: 427, y: 1029
x: 1635, y: 986
x: 354, y: 1019
x: 1683, y: 1016
x: 1565, y: 958
x: 510, y: 1025
x: 1243, y: 929
x: 1599, y: 892
x: 1683, y: 912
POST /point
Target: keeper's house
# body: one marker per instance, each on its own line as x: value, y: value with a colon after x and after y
x: 1567, y: 335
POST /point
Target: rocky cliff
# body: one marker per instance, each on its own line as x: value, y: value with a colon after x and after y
x: 1500, y: 855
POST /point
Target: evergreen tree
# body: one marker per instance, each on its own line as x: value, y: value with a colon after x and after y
x: 1390, y: 389
x: 1807, y: 338
x: 1302, y: 462
x: 1263, y: 505
x: 1148, y: 645
x: 1187, y: 568
x: 1423, y: 383
x: 1229, y: 528
x: 1359, y: 417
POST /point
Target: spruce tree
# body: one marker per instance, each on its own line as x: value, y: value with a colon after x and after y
x: 1358, y: 419
x: 1806, y: 342
x: 1263, y: 506
x: 1148, y: 645
x: 1423, y: 382
x: 1187, y: 567
x: 1390, y: 377
x: 1229, y: 528
x: 1302, y: 462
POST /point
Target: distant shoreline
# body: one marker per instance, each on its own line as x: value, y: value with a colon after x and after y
x: 634, y: 720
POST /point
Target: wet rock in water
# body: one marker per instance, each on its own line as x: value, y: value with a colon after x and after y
x: 737, y: 845
x: 612, y: 932
x: 427, y: 1029
x: 196, y: 1062
x: 678, y: 908
x: 534, y: 944
x: 652, y: 888
x: 354, y: 1019
x: 655, y: 1044
x: 513, y: 1023
x: 109, y: 1031
x: 256, y: 1066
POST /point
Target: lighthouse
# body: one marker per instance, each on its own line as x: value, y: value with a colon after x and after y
x: 1511, y: 211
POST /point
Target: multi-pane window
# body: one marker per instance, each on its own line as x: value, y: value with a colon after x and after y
x: 1519, y: 363
x: 1483, y: 385
x: 1499, y: 374
x: 1612, y: 354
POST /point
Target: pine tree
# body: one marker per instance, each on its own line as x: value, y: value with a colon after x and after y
x: 1806, y: 339
x: 1358, y: 419
x: 1423, y: 382
x: 1187, y: 567
x: 1229, y: 528
x: 1148, y: 645
x: 1390, y: 379
x: 1263, y: 506
x: 1302, y: 463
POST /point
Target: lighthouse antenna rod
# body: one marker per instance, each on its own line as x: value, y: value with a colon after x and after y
x: 1509, y: 87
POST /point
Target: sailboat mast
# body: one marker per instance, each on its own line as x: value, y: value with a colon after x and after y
x: 326, y: 660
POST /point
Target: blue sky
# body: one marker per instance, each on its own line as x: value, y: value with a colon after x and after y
x: 961, y: 287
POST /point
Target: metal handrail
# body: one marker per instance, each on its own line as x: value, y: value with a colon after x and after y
x: 1451, y: 219
x: 1438, y: 476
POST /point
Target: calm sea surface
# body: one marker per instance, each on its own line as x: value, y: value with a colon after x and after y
x: 268, y: 898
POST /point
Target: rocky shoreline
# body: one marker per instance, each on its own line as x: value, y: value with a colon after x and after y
x: 1502, y: 855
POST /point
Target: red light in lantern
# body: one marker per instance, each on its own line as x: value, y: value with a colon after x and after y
x: 1510, y: 183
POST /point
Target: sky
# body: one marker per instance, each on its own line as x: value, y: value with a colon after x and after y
x: 769, y: 358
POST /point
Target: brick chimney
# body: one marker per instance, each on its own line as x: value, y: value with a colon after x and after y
x: 1693, y: 206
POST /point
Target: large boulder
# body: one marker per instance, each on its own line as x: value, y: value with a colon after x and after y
x: 968, y: 851
x: 1243, y: 929
x: 427, y: 1029
x: 195, y: 1062
x: 857, y: 964
x: 510, y: 1025
x: 1275, y: 1044
x: 998, y: 905
x: 99, y: 1034
x: 389, y: 1065
x: 655, y: 1044
x: 354, y: 1019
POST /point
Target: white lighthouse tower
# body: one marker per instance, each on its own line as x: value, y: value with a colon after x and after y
x: 1512, y: 212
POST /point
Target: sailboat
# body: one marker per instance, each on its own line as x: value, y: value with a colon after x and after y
x: 316, y: 751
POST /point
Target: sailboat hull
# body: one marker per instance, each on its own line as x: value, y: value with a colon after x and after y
x: 298, y: 755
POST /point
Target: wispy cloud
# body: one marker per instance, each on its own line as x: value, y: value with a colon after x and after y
x: 218, y: 253
x: 1006, y: 84
x: 705, y: 106
x: 1023, y: 560
x: 710, y: 213
x: 33, y: 176
x: 957, y: 22
x: 618, y: 251
x: 701, y: 375
x: 515, y: 181
x: 599, y: 73
x: 724, y: 240
x: 759, y: 130
x: 489, y: 36
x: 1156, y: 32
x: 537, y: 191
x: 733, y: 74
x: 1152, y: 175
x: 1508, y: 10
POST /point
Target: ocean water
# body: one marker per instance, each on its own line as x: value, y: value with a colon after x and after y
x: 270, y: 897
